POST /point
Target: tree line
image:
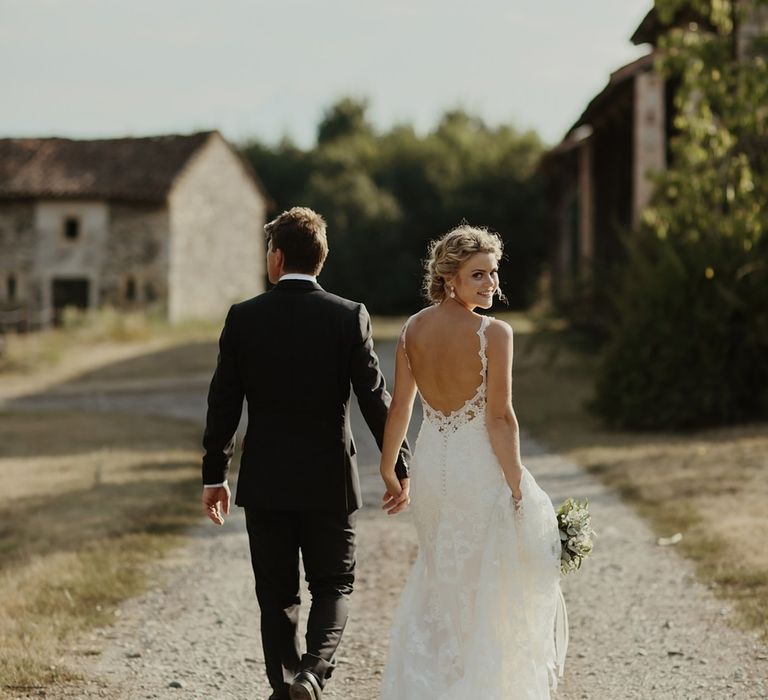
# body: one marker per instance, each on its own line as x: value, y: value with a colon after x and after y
x: 386, y: 194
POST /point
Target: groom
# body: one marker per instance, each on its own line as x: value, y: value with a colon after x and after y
x: 293, y: 353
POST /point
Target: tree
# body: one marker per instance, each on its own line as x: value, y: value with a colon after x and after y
x: 345, y: 118
x: 385, y: 196
x: 690, y: 345
x: 284, y: 168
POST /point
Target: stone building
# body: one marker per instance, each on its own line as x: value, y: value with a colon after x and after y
x: 599, y: 178
x: 169, y: 222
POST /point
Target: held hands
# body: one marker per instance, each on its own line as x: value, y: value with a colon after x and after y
x: 396, y: 498
x: 216, y: 503
x: 518, y: 501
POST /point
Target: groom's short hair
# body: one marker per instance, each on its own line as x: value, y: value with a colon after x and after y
x: 300, y: 234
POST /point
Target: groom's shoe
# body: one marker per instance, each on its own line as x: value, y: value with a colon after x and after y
x: 281, y: 694
x: 305, y: 686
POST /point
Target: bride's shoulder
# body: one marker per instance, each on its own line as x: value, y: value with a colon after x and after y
x: 413, y: 322
x: 418, y: 317
x: 498, y: 332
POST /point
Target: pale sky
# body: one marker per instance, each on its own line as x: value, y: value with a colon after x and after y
x: 265, y: 68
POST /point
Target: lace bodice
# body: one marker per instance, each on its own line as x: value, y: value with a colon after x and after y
x: 474, y: 406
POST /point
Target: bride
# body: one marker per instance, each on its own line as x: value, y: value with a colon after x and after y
x: 477, y: 615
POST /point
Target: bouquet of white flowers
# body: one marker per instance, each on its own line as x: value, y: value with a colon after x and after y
x: 575, y: 524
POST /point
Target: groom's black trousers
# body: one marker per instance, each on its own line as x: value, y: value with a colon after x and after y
x: 327, y: 544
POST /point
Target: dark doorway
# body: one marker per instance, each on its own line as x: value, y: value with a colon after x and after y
x: 130, y: 290
x: 69, y: 292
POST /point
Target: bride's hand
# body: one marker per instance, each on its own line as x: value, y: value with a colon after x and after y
x: 396, y: 496
x: 518, y: 501
x: 517, y: 496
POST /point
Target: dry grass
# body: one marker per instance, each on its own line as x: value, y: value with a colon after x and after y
x: 711, y: 486
x: 32, y: 352
x: 87, y: 501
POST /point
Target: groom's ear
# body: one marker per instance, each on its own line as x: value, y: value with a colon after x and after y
x: 279, y: 259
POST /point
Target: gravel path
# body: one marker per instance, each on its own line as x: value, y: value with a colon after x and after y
x: 641, y: 626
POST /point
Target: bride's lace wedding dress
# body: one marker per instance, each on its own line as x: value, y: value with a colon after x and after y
x: 477, y: 616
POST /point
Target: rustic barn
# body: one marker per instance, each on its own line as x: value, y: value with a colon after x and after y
x: 172, y: 223
x: 599, y: 178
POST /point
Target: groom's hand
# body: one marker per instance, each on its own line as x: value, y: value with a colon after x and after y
x: 216, y: 503
x: 396, y: 497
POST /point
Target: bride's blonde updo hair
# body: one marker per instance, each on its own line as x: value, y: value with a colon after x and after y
x: 448, y: 253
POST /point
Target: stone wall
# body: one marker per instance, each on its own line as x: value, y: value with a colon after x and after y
x: 17, y: 253
x: 135, y: 270
x: 59, y: 257
x: 217, y: 241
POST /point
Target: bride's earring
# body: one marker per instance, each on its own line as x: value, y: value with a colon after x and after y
x: 453, y: 293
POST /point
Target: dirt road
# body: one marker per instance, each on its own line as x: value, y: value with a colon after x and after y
x: 641, y: 626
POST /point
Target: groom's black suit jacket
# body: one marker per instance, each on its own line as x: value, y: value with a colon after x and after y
x: 293, y: 353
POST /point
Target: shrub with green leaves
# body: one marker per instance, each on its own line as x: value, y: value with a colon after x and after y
x: 690, y: 339
x: 691, y: 344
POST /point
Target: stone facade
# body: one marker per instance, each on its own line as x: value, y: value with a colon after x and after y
x: 216, y: 246
x: 69, y: 255
x: 17, y: 256
x: 188, y: 249
x: 136, y: 266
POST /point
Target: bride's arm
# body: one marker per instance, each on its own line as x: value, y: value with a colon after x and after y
x: 500, y: 416
x: 398, y: 418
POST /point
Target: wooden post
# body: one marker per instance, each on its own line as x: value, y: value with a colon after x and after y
x: 649, y: 139
x: 586, y: 201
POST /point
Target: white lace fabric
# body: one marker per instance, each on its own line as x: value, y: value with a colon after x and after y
x: 477, y: 614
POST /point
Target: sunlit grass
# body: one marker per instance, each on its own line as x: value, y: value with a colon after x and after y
x: 89, y: 500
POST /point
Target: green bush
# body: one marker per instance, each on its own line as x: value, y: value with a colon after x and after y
x: 690, y: 345
x: 690, y: 337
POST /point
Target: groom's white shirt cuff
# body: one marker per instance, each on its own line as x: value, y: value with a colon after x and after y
x: 298, y: 276
x: 288, y: 276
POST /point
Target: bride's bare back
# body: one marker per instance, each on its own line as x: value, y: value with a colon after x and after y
x: 443, y: 350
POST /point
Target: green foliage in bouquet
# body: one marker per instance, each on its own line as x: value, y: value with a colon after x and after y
x: 576, y: 534
x: 690, y: 339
